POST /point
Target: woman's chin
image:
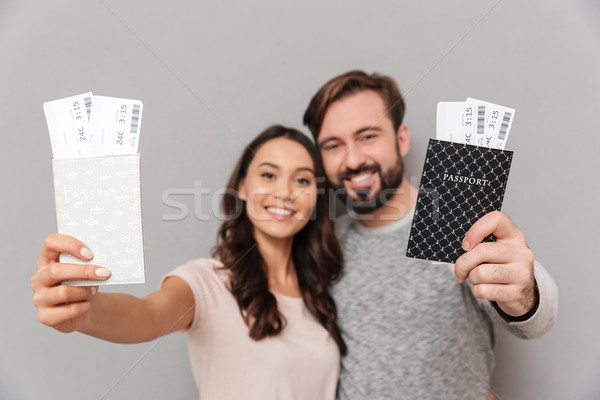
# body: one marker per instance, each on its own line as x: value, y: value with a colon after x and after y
x: 278, y: 232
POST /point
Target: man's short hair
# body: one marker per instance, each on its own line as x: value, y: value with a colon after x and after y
x: 350, y: 83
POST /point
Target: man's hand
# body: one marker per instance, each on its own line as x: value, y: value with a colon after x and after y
x: 500, y: 271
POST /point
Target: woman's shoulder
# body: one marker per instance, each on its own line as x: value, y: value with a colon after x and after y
x: 208, y: 264
x: 203, y: 266
x: 201, y: 271
x: 207, y: 279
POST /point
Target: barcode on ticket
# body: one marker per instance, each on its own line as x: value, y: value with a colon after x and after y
x: 88, y: 106
x: 504, y: 126
x: 480, y: 119
x: 135, y: 119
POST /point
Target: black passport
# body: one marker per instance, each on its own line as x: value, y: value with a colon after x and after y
x: 460, y: 184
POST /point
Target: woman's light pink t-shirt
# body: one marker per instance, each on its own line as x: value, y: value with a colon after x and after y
x: 302, y: 362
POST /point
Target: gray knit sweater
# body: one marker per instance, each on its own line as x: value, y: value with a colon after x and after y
x: 412, y: 331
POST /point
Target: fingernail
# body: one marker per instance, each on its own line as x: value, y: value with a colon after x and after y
x: 466, y: 245
x: 94, y: 290
x: 102, y: 273
x: 86, y: 253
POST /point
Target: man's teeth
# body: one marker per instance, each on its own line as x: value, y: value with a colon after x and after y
x: 279, y: 211
x: 361, y: 177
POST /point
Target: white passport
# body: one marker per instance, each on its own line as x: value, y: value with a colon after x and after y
x: 98, y: 201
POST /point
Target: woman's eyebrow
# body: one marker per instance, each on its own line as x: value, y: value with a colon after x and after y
x: 306, y: 169
x: 268, y: 164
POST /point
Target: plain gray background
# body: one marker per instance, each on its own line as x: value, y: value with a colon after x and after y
x: 213, y: 75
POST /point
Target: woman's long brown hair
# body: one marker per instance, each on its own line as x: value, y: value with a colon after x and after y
x: 316, y: 254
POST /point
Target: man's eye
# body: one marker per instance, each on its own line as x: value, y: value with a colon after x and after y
x: 367, y: 137
x: 330, y: 147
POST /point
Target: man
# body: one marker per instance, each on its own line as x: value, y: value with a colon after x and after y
x: 414, y: 329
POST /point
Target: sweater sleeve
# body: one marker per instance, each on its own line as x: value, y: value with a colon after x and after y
x: 544, y: 317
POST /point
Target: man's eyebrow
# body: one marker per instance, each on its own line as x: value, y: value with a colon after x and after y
x: 367, y: 128
x: 356, y: 133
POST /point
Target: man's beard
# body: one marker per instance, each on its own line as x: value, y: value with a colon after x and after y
x: 368, y: 202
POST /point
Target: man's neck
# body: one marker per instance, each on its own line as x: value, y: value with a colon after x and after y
x: 394, y: 209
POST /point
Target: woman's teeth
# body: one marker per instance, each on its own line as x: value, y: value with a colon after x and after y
x: 279, y: 211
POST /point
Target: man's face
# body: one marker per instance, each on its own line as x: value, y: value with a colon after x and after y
x: 362, y: 153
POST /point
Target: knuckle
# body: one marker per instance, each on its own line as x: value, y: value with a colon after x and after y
x: 72, y: 310
x: 459, y: 265
x: 486, y: 292
x: 63, y: 293
x: 44, y: 318
x: 528, y: 256
x: 37, y: 299
x: 73, y: 247
x: 498, y: 215
x: 34, y: 281
x: 77, y: 309
x: 89, y: 272
x: 491, y: 218
x: 520, y: 236
x: 476, y: 275
x: 54, y: 270
x: 502, y: 215
x: 50, y: 240
x: 478, y: 250
x: 81, y: 293
x: 496, y: 273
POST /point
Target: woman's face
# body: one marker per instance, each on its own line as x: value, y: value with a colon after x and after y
x: 279, y: 189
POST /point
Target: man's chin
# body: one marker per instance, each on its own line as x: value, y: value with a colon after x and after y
x: 364, y: 194
x: 360, y: 203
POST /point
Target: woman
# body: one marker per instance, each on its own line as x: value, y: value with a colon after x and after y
x: 260, y: 320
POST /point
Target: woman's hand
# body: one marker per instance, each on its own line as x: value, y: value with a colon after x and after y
x: 65, y: 308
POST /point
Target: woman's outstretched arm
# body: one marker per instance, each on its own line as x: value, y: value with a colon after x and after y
x: 115, y: 317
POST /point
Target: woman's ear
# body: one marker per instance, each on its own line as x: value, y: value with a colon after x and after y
x: 242, y: 190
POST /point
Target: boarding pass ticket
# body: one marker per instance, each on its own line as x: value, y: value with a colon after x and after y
x: 474, y: 122
x: 87, y: 126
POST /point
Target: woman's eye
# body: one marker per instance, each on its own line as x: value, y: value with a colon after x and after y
x: 303, y: 181
x: 267, y: 175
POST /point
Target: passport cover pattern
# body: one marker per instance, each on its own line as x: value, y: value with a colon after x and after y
x: 98, y: 202
x: 460, y: 184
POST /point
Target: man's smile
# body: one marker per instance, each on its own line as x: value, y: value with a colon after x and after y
x: 361, y: 180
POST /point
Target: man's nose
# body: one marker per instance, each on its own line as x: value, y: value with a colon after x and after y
x: 354, y: 158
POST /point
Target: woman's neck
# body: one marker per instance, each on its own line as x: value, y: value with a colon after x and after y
x: 277, y: 255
